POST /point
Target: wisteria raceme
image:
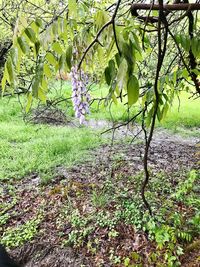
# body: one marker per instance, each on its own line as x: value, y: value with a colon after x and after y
x: 80, y: 96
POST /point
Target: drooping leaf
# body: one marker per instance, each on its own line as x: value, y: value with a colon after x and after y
x: 133, y: 90
x: 30, y: 34
x: 4, y: 79
x: 149, y: 117
x: 159, y: 114
x: 14, y: 55
x: 69, y: 57
x: 35, y: 28
x: 37, y: 79
x: 23, y: 45
x: 44, y: 84
x: 100, y: 18
x: 47, y: 71
x: 185, y: 42
x: 10, y: 70
x: 129, y: 55
x: 62, y: 62
x: 195, y: 45
x: 37, y: 48
x: 114, y: 99
x: 55, y: 29
x: 107, y: 75
x: 41, y: 95
x: 111, y: 65
x: 29, y: 102
x: 38, y: 22
x: 72, y: 6
x: 122, y: 74
x: 118, y: 59
x: 165, y: 110
x: 50, y: 57
x: 57, y: 48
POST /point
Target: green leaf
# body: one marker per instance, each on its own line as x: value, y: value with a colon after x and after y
x: 37, y: 79
x: 23, y: 45
x: 149, y: 117
x: 4, y: 79
x: 30, y: 34
x: 114, y: 99
x: 11, y: 71
x: 129, y: 55
x: 195, y: 44
x: 165, y: 110
x: 135, y: 42
x: 107, y: 75
x: 100, y: 18
x: 47, y: 71
x: 55, y: 28
x: 69, y: 57
x: 44, y: 85
x: 133, y: 90
x: 14, y: 55
x: 41, y: 95
x: 122, y: 74
x: 62, y: 62
x: 185, y: 73
x: 72, y: 6
x: 185, y: 42
x: 35, y: 28
x: 50, y: 57
x: 37, y: 48
x: 159, y: 114
x: 57, y: 48
x: 38, y: 22
x: 111, y: 65
x: 29, y: 102
x: 118, y: 59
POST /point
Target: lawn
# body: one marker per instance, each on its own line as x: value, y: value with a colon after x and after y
x: 27, y: 148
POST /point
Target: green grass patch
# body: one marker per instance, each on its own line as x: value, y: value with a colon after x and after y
x: 27, y: 148
x: 183, y: 113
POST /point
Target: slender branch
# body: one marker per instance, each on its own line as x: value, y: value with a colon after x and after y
x: 115, y: 37
x: 112, y: 21
x: 123, y: 124
x: 172, y: 7
x: 161, y: 55
x: 192, y: 59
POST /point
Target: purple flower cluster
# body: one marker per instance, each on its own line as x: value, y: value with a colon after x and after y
x: 80, y: 96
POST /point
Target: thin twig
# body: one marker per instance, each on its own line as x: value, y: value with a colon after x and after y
x: 112, y: 21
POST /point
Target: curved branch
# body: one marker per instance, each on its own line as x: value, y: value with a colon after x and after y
x: 112, y: 21
x: 161, y: 55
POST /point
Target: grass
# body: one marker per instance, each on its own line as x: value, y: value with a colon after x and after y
x: 184, y: 113
x: 27, y: 148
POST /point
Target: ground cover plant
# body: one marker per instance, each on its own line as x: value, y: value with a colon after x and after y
x: 97, y: 210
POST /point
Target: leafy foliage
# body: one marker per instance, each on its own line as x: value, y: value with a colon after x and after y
x: 124, y: 56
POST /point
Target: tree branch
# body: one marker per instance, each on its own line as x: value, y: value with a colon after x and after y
x: 172, y: 7
x: 112, y: 21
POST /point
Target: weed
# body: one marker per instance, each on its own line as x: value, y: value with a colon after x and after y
x: 14, y: 237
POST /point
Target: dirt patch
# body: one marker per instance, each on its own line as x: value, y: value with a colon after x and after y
x: 76, y: 188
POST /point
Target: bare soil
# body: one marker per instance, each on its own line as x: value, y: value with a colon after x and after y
x: 172, y: 154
